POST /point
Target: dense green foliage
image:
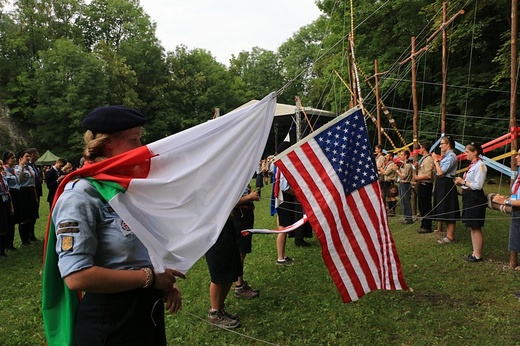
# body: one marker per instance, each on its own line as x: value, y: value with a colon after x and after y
x: 450, y: 302
x: 60, y: 59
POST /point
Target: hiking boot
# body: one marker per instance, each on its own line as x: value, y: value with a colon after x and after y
x: 246, y: 292
x: 286, y: 261
x: 221, y: 319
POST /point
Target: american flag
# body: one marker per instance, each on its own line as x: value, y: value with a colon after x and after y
x: 335, y: 179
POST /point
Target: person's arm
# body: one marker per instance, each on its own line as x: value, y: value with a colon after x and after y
x: 252, y: 196
x: 437, y: 164
x: 427, y: 167
x: 103, y: 280
x: 506, y: 200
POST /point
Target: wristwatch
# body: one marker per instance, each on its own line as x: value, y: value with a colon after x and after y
x: 507, y: 202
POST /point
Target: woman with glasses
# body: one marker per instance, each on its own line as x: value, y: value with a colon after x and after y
x: 445, y: 199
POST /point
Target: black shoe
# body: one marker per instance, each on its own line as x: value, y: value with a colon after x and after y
x: 33, y: 238
x: 11, y: 248
x: 424, y: 230
x: 2, y: 256
x: 472, y: 259
x: 301, y: 242
x: 27, y: 243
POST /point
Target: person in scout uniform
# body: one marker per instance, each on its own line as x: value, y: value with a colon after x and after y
x: 474, y: 201
x: 99, y: 255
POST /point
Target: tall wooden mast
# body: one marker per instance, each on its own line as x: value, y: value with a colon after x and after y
x: 444, y: 68
x: 514, y: 83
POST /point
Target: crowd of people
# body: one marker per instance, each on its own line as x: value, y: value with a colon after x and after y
x: 21, y: 181
x: 111, y: 265
x: 433, y: 182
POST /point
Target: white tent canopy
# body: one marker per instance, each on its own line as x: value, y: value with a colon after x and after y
x: 285, y: 110
x: 285, y: 116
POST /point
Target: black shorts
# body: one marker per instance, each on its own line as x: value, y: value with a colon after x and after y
x: 286, y: 212
x: 125, y: 318
x: 244, y: 219
x: 223, y: 258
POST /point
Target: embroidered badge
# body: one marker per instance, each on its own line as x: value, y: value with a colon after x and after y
x: 68, y: 230
x: 125, y: 229
x: 67, y: 243
x: 68, y: 224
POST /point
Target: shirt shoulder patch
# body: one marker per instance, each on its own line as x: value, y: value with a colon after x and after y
x: 67, y: 243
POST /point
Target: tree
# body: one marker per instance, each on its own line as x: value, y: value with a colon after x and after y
x: 260, y: 70
x: 68, y: 82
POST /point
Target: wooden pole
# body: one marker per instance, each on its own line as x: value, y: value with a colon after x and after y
x: 352, y: 76
x: 415, y: 122
x: 444, y: 69
x: 414, y: 100
x: 514, y: 66
x: 298, y: 121
x: 378, y: 109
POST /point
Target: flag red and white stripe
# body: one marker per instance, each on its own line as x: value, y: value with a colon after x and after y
x: 335, y: 180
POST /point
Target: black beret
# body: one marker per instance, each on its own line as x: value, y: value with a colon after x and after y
x: 113, y: 119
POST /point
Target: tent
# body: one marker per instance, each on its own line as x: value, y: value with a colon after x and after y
x: 285, y: 116
x: 47, y: 159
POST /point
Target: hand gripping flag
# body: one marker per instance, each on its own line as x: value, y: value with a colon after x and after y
x: 175, y: 194
x: 335, y: 179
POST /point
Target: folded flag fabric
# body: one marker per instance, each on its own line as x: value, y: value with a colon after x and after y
x: 287, y: 229
x: 175, y: 194
x: 334, y: 177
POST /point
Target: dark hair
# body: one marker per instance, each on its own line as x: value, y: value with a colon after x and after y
x: 426, y: 145
x: 21, y: 153
x: 32, y: 150
x: 450, y: 140
x: 475, y: 147
x: 379, y: 146
x: 7, y: 154
x: 406, y: 153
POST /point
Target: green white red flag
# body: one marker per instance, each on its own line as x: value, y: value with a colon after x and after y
x: 175, y: 194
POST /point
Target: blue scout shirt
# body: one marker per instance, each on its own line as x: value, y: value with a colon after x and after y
x: 90, y: 233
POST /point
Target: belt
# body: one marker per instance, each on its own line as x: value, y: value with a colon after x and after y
x: 426, y: 183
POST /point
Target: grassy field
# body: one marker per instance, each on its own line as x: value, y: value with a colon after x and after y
x: 449, y: 301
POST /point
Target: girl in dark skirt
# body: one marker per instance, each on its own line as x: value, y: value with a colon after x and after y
x: 473, y: 199
x: 446, y: 200
x: 27, y: 213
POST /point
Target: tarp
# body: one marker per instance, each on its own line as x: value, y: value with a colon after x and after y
x: 284, y: 110
x: 47, y: 159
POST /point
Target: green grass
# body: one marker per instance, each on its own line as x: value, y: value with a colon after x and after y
x: 450, y: 302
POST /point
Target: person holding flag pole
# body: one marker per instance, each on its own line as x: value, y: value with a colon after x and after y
x: 100, y: 255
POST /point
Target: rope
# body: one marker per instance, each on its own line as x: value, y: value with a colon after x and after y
x: 228, y: 330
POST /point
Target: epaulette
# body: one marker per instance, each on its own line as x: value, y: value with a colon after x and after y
x: 70, y: 185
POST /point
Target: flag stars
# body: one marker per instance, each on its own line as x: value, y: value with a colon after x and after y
x: 347, y: 148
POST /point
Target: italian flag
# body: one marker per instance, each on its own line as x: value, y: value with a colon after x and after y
x: 175, y: 194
